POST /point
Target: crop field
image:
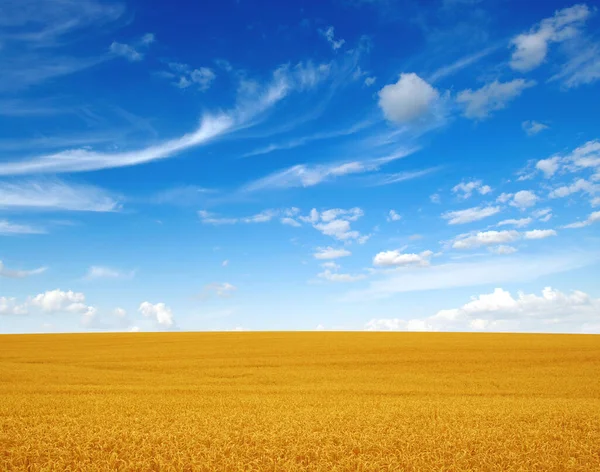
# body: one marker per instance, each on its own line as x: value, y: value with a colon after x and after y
x: 299, y: 402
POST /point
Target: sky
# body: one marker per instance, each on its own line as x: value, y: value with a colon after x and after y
x: 331, y: 165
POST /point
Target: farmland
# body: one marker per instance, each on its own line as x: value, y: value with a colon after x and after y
x: 299, y: 402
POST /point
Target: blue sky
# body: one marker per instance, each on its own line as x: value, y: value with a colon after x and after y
x: 349, y: 164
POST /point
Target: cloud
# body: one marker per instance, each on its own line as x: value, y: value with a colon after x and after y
x: 131, y: 51
x: 500, y: 311
x: 514, y: 222
x: 524, y: 199
x: 478, y: 104
x: 185, y: 76
x: 548, y: 166
x: 211, y: 127
x: 494, y: 270
x: 102, y: 272
x: 120, y: 312
x: 533, y: 127
x: 9, y: 306
x: 397, y: 259
x: 539, y: 234
x: 485, y: 238
x: 543, y: 214
x: 336, y: 222
x: 9, y: 228
x: 435, y: 198
x: 591, y: 219
x: 387, y: 179
x: 530, y: 49
x: 58, y: 301
x: 159, y: 312
x: 462, y: 63
x: 580, y: 185
x: 466, y: 189
x: 502, y: 250
x: 408, y: 100
x: 330, y: 265
x: 221, y: 290
x: 290, y: 222
x: 393, y: 216
x: 582, y: 68
x: 470, y: 214
x: 56, y: 195
x: 328, y: 34
x: 19, y: 274
x: 370, y: 81
x: 305, y: 175
x: 263, y: 217
x: 331, y: 253
x: 336, y: 277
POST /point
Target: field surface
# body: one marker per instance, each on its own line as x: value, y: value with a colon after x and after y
x: 299, y: 402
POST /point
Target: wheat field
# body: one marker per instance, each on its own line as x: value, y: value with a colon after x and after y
x: 299, y: 402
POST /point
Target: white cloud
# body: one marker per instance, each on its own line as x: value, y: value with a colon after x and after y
x: 56, y: 195
x: 409, y: 99
x: 397, y: 324
x: 548, y: 166
x: 185, y: 76
x: 221, y: 290
x: 393, y: 216
x: 470, y: 214
x: 305, y: 175
x: 131, y: 52
x: 517, y: 223
x: 159, y: 312
x: 102, y: 272
x: 396, y: 258
x: 533, y: 127
x: 57, y: 301
x: 331, y: 253
x: 335, y: 222
x: 263, y: 217
x: 336, y: 277
x: 553, y: 311
x: 329, y: 35
x: 9, y: 228
x: 211, y: 127
x: 370, y: 81
x: 467, y: 188
x: 583, y: 67
x: 19, y: 274
x: 9, y: 306
x: 120, y: 312
x: 491, y: 97
x: 530, y: 49
x: 504, y: 197
x: 290, y: 222
x: 493, y: 270
x: 503, y: 250
x: 524, y: 199
x: 539, y: 234
x: 580, y: 185
x: 543, y: 214
x: 485, y: 238
x: 435, y: 198
x: 593, y: 218
x: 595, y: 202
x: 330, y: 265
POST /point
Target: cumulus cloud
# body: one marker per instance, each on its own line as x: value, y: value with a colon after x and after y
x: 9, y: 306
x: 396, y: 258
x: 524, y: 199
x: 494, y: 96
x: 530, y: 49
x: 466, y: 189
x: 331, y: 253
x: 470, y: 214
x: 553, y: 310
x: 58, y: 301
x: 185, y: 76
x: 485, y: 238
x: 335, y: 222
x: 549, y: 166
x: 158, y: 312
x: 393, y: 216
x: 580, y: 185
x: 19, y: 274
x: 408, y: 100
x: 533, y: 127
x: 584, y: 157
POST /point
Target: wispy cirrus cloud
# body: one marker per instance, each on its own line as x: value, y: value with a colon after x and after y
x: 9, y: 228
x: 19, y: 274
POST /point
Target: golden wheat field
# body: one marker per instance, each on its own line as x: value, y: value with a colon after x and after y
x: 299, y: 402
